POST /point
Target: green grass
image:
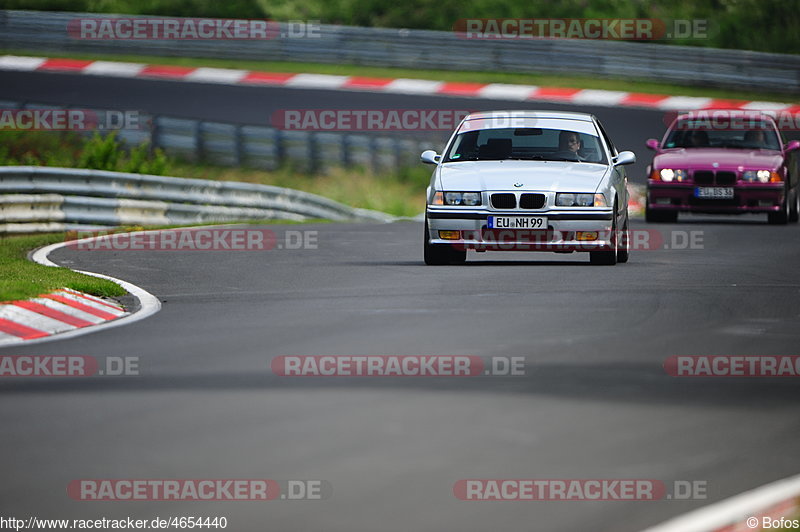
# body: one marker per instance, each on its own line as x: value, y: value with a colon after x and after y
x: 400, y: 193
x: 21, y: 278
x: 545, y: 80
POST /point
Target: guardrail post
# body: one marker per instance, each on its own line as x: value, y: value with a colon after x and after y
x: 345, y: 160
x: 238, y: 145
x: 374, y: 155
x: 198, y: 141
x: 313, y: 152
x: 280, y: 149
x: 155, y: 134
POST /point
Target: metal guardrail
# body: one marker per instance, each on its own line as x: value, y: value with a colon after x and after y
x: 264, y: 147
x: 37, y: 199
x: 270, y: 148
x: 437, y: 50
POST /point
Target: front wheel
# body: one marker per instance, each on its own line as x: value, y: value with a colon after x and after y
x: 794, y: 211
x: 441, y: 254
x: 624, y: 252
x: 607, y: 257
x: 782, y: 216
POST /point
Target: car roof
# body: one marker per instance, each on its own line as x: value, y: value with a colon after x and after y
x: 523, y: 113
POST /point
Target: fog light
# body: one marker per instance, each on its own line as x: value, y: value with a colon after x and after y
x: 449, y: 235
x: 585, y: 235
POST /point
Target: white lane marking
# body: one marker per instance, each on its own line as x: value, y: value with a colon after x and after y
x: 217, y: 75
x: 766, y: 106
x: 733, y: 510
x: 599, y: 97
x: 506, y: 91
x: 114, y: 68
x: 15, y: 62
x: 683, y: 102
x: 317, y: 81
x: 413, y: 86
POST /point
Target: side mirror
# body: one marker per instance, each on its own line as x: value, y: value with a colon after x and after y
x: 430, y: 157
x: 625, y: 157
x: 652, y: 144
x: 792, y: 145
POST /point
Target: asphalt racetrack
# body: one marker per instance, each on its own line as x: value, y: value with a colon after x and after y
x: 594, y: 403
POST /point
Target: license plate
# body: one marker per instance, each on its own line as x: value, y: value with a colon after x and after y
x: 714, y: 192
x: 517, y: 222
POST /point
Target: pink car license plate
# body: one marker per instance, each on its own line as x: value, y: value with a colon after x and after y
x: 714, y: 192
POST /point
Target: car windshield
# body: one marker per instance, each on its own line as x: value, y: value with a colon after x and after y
x: 746, y: 135
x: 530, y: 144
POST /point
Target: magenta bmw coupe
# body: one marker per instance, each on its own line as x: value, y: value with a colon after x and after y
x: 726, y: 162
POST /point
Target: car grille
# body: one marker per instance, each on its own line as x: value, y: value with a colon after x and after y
x: 504, y: 201
x: 531, y: 201
x: 726, y: 178
x: 705, y: 177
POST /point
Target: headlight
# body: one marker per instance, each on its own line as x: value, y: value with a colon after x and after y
x: 570, y: 199
x: 565, y: 200
x: 471, y: 198
x: 761, y: 175
x: 668, y: 175
x: 462, y: 198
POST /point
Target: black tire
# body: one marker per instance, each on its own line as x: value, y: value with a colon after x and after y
x: 607, y: 257
x: 782, y: 216
x: 624, y: 251
x: 660, y: 217
x: 442, y: 254
x: 794, y: 210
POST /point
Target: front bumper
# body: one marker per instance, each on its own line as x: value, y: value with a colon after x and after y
x: 747, y: 198
x: 560, y: 235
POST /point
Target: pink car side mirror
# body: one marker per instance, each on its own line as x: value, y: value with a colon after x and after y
x: 652, y: 144
x: 792, y: 145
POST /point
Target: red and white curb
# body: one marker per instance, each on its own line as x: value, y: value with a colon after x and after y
x: 67, y: 313
x: 52, y: 313
x: 502, y: 91
x: 745, y: 512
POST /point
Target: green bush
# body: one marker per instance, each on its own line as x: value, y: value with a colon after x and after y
x: 100, y: 153
x: 69, y: 149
